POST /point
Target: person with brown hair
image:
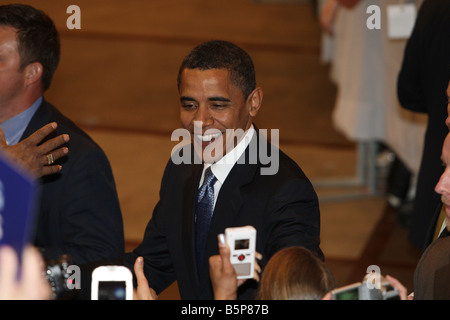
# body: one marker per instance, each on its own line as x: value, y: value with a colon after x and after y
x: 293, y: 273
x: 305, y: 277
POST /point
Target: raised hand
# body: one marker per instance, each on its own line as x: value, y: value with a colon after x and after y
x: 38, y: 159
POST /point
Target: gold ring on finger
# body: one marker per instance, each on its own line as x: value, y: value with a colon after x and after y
x: 50, y: 159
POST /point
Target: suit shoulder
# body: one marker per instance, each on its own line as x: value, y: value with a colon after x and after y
x: 288, y: 167
x: 78, y: 137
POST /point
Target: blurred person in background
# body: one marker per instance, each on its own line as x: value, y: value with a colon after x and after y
x: 421, y: 87
x: 365, y: 63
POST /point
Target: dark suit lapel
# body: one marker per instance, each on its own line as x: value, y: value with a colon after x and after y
x: 189, y: 190
x: 230, y: 199
x: 228, y: 205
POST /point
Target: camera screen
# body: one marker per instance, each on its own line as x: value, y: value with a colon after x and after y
x: 241, y: 244
x: 351, y: 294
x: 111, y: 290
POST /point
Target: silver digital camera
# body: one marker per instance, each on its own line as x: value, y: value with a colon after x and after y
x: 242, y: 243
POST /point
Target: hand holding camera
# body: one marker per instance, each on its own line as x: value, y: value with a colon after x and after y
x: 226, y: 268
x: 389, y: 288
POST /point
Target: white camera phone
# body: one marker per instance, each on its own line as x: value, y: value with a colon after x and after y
x: 112, y: 283
x: 242, y: 243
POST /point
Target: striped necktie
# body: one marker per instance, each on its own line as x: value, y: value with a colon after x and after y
x: 204, y: 211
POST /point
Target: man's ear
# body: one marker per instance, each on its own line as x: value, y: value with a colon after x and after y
x: 254, y: 101
x: 33, y: 73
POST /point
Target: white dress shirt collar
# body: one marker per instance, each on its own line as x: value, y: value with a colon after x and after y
x: 222, y: 168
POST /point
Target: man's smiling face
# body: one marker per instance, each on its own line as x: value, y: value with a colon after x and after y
x: 211, y: 104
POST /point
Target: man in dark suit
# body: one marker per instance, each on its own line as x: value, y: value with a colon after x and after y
x: 80, y: 213
x: 432, y: 275
x: 219, y: 99
x: 422, y: 83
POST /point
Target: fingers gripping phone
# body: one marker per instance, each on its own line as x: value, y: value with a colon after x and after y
x: 242, y: 243
x: 112, y: 283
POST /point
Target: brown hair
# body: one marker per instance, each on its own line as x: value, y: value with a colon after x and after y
x: 37, y: 38
x: 295, y: 273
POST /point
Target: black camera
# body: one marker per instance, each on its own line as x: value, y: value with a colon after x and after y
x: 57, y: 274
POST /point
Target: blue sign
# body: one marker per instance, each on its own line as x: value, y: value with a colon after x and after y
x: 19, y: 193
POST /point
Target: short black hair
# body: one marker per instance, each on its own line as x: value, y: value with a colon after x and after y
x: 220, y: 54
x: 37, y: 37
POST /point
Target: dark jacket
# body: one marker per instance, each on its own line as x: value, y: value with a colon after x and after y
x: 282, y: 207
x: 80, y: 213
x: 422, y: 85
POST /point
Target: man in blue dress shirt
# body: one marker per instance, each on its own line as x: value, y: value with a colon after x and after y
x: 79, y: 213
